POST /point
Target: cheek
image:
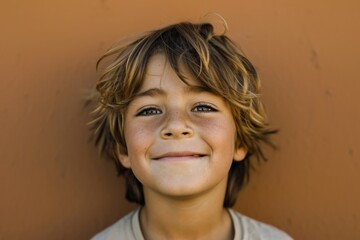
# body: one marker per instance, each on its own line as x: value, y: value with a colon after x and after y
x: 219, y: 133
x: 139, y: 135
x: 221, y: 128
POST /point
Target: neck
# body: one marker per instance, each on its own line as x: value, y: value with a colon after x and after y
x: 193, y: 217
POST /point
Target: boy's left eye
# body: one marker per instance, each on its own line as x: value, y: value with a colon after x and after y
x: 204, y: 108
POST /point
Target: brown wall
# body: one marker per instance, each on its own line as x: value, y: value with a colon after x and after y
x: 53, y: 185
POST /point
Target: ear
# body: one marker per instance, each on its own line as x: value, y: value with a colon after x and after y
x: 123, y: 158
x: 240, y: 153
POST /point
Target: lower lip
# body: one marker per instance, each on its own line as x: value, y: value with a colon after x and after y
x: 177, y: 159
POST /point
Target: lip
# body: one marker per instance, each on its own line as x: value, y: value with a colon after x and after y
x: 179, y: 156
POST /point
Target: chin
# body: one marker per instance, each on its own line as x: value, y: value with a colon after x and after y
x: 189, y: 188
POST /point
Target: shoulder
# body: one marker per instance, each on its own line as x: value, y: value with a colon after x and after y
x: 250, y: 229
x: 127, y: 228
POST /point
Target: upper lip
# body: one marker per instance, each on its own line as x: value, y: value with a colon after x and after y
x: 179, y: 154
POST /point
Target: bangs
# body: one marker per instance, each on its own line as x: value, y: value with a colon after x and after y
x: 212, y: 60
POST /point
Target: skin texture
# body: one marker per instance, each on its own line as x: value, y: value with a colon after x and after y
x: 181, y: 143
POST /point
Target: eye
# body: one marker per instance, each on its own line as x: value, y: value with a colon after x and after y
x: 204, y: 107
x: 149, y: 111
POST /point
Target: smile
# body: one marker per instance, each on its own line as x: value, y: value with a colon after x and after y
x: 179, y: 156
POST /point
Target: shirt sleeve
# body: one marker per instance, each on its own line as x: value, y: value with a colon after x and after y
x: 247, y: 228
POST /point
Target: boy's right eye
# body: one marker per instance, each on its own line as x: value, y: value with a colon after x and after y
x: 149, y: 111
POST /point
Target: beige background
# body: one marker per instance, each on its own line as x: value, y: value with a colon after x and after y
x: 53, y: 185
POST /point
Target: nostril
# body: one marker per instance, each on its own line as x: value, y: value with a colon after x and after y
x: 175, y: 133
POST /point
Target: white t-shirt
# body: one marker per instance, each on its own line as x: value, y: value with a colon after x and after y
x: 128, y: 228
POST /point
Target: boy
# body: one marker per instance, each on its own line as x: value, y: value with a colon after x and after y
x: 179, y: 112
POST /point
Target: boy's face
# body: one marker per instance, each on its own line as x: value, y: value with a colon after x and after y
x: 180, y: 138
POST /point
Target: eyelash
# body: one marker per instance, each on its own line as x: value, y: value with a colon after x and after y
x: 199, y: 108
x: 205, y: 108
x: 149, y: 111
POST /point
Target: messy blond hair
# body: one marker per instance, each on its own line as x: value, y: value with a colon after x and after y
x: 214, y: 61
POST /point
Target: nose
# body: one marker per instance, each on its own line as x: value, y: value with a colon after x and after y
x: 176, y: 126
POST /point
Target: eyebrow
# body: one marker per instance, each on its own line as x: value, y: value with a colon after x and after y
x: 157, y: 91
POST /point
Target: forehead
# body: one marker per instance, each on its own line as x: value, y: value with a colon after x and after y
x: 156, y: 65
x: 159, y: 72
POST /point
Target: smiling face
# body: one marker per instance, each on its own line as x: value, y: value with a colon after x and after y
x: 180, y: 138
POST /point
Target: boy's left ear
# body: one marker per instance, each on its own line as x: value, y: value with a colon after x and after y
x: 240, y: 153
